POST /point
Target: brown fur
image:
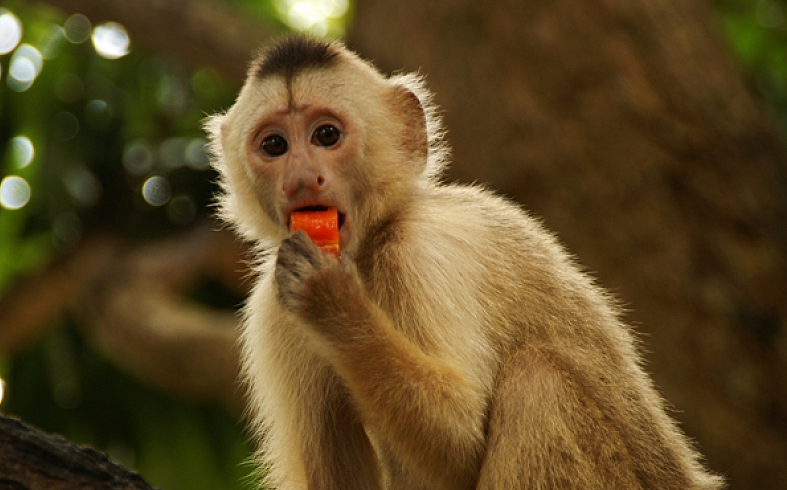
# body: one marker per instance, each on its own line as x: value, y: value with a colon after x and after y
x: 454, y: 345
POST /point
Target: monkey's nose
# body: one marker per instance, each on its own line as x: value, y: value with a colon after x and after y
x: 310, y: 183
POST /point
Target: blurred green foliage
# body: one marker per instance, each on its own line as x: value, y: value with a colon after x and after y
x: 757, y: 34
x: 85, y: 115
x: 100, y: 129
x: 109, y: 143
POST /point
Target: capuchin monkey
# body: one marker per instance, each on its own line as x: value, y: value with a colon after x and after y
x: 453, y: 343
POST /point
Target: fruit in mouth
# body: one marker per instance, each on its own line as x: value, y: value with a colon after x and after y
x: 322, y: 226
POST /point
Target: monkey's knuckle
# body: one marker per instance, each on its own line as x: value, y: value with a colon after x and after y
x: 300, y: 243
x: 288, y: 294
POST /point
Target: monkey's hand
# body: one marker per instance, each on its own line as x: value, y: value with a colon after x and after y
x: 299, y: 260
x: 324, y: 291
x: 310, y: 280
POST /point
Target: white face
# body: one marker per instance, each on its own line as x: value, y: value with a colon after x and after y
x: 336, y: 138
x: 298, y: 151
x: 301, y: 151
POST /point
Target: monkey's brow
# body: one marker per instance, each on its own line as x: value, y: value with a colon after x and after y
x: 295, y: 54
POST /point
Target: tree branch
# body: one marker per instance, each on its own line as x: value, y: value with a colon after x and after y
x: 33, y: 460
x: 30, y: 307
x: 138, y: 318
x: 134, y: 310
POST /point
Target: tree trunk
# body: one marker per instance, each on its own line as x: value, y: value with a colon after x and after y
x: 33, y: 460
x: 626, y: 126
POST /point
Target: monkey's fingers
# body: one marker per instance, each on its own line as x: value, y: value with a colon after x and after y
x: 299, y: 255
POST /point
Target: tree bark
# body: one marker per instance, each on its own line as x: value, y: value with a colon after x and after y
x: 33, y: 460
x: 626, y: 126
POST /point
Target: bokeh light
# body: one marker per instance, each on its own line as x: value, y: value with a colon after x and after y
x: 52, y: 42
x: 173, y: 152
x: 81, y: 184
x: 312, y: 16
x: 98, y: 114
x: 172, y: 95
x: 111, y: 40
x: 182, y: 210
x: 156, y: 191
x: 137, y: 158
x: 14, y: 192
x: 26, y: 65
x: 23, y: 69
x: 77, y: 28
x: 10, y: 31
x: 2, y: 390
x: 65, y: 126
x: 196, y: 154
x: 22, y: 151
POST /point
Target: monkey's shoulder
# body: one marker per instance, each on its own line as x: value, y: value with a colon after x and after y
x: 489, y: 239
x: 474, y: 217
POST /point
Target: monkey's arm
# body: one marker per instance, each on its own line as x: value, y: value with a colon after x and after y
x: 428, y: 410
x: 545, y: 431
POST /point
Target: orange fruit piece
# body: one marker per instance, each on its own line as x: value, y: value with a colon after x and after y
x: 322, y: 226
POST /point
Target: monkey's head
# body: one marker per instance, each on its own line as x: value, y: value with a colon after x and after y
x: 316, y: 126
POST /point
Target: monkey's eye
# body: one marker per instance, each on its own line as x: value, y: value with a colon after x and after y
x: 274, y: 145
x: 326, y: 135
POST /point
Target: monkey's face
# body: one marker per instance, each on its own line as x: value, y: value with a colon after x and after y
x: 302, y: 149
x: 330, y: 138
x: 299, y: 156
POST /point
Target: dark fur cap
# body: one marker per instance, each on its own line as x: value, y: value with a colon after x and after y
x: 293, y: 54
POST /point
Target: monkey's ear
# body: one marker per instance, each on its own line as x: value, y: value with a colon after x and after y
x: 407, y: 107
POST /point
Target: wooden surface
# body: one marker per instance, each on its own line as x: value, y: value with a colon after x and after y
x: 33, y: 460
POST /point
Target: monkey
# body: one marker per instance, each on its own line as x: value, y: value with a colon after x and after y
x: 453, y: 343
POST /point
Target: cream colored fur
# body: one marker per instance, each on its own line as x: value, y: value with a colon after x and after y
x: 501, y: 364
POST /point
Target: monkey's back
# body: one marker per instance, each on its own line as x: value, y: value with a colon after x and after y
x: 521, y: 292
